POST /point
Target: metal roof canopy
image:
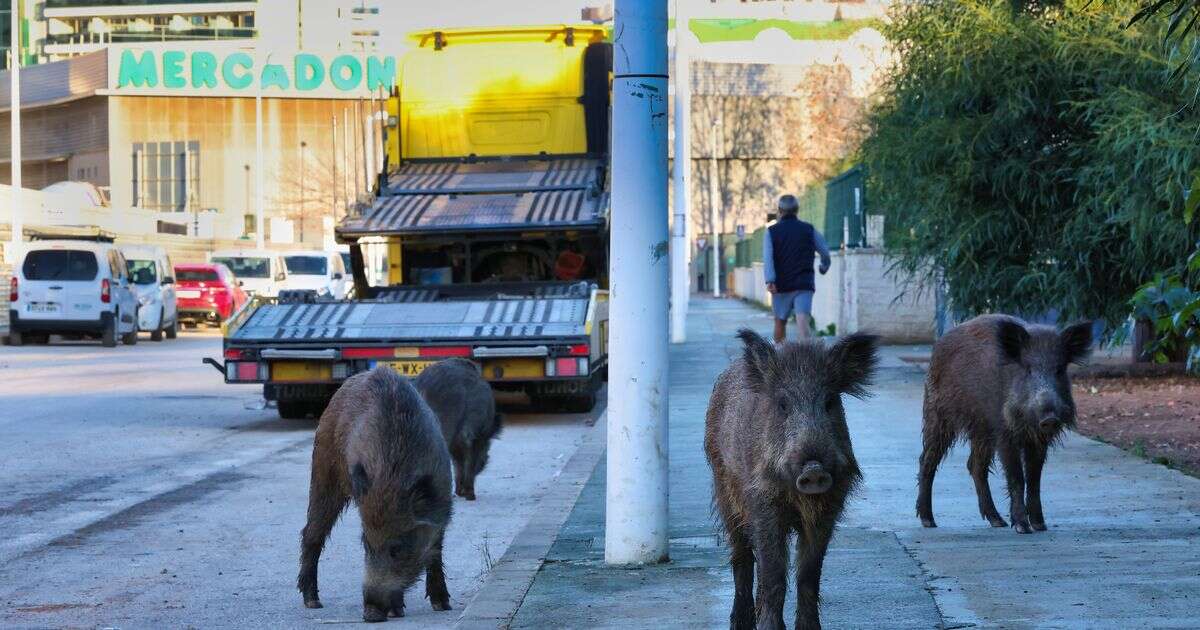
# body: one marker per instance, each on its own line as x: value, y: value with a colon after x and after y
x: 481, y: 194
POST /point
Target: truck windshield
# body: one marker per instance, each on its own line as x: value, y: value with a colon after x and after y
x: 305, y: 265
x: 60, y: 264
x: 246, y: 267
x: 141, y: 271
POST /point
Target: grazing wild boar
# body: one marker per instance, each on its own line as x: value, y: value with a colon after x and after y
x: 1002, y: 385
x: 464, y: 404
x: 781, y: 459
x: 380, y: 444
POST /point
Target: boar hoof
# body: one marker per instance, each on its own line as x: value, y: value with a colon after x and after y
x: 440, y: 604
x: 1022, y: 527
x: 396, y: 612
x: 928, y: 522
x: 312, y: 603
x: 1039, y: 526
x: 996, y: 521
x: 372, y: 614
x: 470, y: 495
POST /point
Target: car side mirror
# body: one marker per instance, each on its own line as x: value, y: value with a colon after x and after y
x: 168, y: 280
x: 280, y: 277
x: 241, y: 284
x: 337, y: 276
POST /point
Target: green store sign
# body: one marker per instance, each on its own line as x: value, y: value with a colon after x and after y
x: 201, y: 71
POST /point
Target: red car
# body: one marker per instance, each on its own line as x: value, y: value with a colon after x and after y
x: 207, y: 293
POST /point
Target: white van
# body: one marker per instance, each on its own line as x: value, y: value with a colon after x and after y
x: 323, y: 272
x: 72, y: 287
x: 260, y: 271
x: 152, y: 274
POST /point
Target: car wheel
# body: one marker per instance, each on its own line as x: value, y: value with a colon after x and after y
x: 16, y: 338
x: 131, y: 338
x: 293, y: 409
x: 157, y: 333
x: 39, y: 339
x: 108, y: 338
x: 173, y: 329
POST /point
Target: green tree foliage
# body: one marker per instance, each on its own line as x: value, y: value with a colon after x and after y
x: 1035, y: 159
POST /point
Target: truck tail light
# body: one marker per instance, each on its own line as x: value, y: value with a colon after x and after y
x: 245, y: 371
x: 566, y: 367
x: 579, y: 350
x: 12, y: 290
x: 105, y: 291
x: 445, y: 351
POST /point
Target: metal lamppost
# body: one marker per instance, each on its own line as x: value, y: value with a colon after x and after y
x: 14, y: 71
x: 246, y: 211
x: 303, y: 146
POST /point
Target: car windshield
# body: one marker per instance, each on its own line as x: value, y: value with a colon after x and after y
x: 142, y: 271
x: 196, y: 275
x: 305, y: 265
x: 60, y: 264
x: 247, y: 267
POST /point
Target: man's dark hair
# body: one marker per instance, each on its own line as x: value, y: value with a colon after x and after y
x: 788, y: 205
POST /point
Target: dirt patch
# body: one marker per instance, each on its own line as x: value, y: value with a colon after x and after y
x: 48, y: 608
x: 1153, y: 417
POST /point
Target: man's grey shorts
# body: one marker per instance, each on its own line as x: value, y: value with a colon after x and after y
x: 785, y: 303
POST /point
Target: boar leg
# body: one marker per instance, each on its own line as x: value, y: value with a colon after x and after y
x: 771, y: 557
x: 458, y: 454
x: 1010, y: 457
x: 1035, y: 458
x: 325, y: 504
x: 978, y: 463
x: 741, y: 560
x: 435, y: 580
x: 935, y: 442
x: 466, y: 488
x: 810, y: 557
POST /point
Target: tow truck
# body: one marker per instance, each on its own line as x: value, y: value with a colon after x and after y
x: 493, y: 220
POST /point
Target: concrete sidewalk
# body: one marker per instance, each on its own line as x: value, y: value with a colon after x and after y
x: 1123, y: 548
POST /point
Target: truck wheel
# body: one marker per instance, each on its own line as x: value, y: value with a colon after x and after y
x: 157, y: 333
x: 317, y: 407
x: 579, y: 403
x: 293, y: 409
x: 16, y: 338
x: 108, y: 338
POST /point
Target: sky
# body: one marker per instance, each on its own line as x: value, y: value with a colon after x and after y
x: 399, y: 17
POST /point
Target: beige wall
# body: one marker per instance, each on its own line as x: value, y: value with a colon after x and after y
x: 224, y: 129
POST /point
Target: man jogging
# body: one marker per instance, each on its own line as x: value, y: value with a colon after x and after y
x: 788, y: 250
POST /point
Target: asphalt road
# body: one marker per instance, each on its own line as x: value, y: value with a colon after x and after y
x: 138, y: 490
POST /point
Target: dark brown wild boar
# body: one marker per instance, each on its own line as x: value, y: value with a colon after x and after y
x: 1002, y: 385
x: 782, y: 462
x: 464, y: 404
x: 381, y: 445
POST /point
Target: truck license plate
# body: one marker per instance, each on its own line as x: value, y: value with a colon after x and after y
x: 408, y: 368
x: 43, y: 307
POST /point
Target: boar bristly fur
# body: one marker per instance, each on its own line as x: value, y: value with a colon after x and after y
x: 1002, y: 385
x: 782, y: 462
x: 466, y: 408
x: 379, y: 444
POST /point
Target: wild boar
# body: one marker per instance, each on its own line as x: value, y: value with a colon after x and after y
x: 380, y: 444
x: 782, y: 462
x: 1002, y: 385
x: 464, y: 404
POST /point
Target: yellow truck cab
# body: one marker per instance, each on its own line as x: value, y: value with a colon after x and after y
x: 493, y: 217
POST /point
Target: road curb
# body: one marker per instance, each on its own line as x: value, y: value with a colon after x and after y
x: 497, y: 601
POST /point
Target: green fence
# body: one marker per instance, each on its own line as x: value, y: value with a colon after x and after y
x: 846, y: 209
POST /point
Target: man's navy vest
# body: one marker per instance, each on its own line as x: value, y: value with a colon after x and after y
x: 793, y: 248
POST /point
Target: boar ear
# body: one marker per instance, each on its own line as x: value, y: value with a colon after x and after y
x: 1077, y: 342
x: 425, y: 502
x: 852, y: 361
x: 360, y: 483
x: 758, y: 354
x: 1012, y: 338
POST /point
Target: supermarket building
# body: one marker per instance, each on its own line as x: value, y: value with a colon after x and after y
x: 170, y: 132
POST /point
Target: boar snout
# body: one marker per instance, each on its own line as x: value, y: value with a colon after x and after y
x: 813, y: 479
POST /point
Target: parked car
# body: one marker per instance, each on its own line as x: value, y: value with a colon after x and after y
x: 207, y: 293
x: 260, y: 271
x: 153, y: 279
x: 72, y: 287
x: 323, y: 272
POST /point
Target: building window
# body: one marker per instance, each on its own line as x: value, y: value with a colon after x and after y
x: 166, y: 175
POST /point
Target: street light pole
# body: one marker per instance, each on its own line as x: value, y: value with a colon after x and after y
x: 715, y: 194
x: 635, y: 524
x: 682, y: 175
x: 259, y: 236
x: 14, y: 74
x: 303, y: 183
